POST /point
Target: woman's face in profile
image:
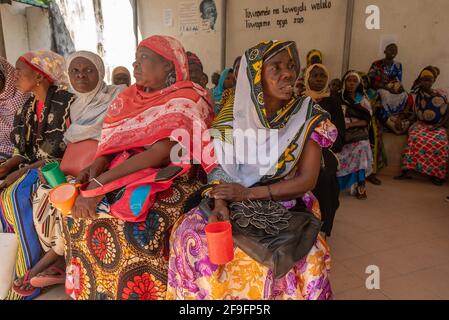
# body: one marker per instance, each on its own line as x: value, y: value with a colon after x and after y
x: 150, y: 69
x: 26, y: 78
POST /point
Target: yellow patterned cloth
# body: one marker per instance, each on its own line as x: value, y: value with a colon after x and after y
x: 110, y: 259
x: 16, y: 216
x: 192, y: 276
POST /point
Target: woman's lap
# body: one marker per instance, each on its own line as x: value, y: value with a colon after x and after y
x: 113, y: 259
x: 354, y: 158
x: 192, y: 276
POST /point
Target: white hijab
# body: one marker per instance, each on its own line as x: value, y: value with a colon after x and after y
x: 89, y: 109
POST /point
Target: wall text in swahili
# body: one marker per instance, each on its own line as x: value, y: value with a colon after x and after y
x: 283, y: 15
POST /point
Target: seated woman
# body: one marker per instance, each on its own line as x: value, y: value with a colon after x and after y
x: 121, y: 76
x: 375, y: 132
x: 271, y: 70
x: 39, y: 128
x: 125, y: 256
x: 229, y: 94
x: 327, y: 189
x: 427, y: 149
x: 386, y: 78
x: 11, y: 100
x: 356, y: 158
x: 436, y: 72
x: 227, y: 81
x: 86, y: 71
x: 314, y: 56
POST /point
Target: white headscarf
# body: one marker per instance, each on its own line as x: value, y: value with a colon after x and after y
x: 88, y: 111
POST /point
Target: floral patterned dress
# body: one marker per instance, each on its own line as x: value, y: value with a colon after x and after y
x: 110, y: 259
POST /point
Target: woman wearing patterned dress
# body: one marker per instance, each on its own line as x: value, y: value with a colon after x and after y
x: 427, y: 149
x: 38, y: 137
x: 264, y: 101
x: 386, y: 78
x: 356, y: 158
x: 124, y: 256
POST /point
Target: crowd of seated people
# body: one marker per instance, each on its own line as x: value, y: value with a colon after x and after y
x: 137, y: 229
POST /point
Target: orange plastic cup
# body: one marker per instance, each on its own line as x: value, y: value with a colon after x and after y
x: 63, y: 198
x: 220, y: 243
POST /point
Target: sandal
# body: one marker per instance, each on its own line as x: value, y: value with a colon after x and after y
x: 405, y: 175
x: 43, y: 281
x: 374, y: 180
x: 437, y: 182
x: 25, y: 282
x: 361, y: 193
x: 353, y: 190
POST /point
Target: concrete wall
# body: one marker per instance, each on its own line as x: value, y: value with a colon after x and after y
x: 206, y: 44
x: 15, y: 30
x: 118, y: 34
x: 39, y: 31
x: 321, y: 29
x: 112, y: 37
x: 25, y: 28
x: 421, y: 28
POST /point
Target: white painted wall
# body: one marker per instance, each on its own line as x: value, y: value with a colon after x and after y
x: 118, y: 32
x: 25, y: 28
x: 39, y: 30
x: 207, y: 45
x: 421, y: 27
x: 15, y: 30
x: 119, y: 38
x: 80, y: 21
x: 323, y: 29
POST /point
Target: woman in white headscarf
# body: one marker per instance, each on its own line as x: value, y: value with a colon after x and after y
x: 86, y: 72
x: 88, y: 111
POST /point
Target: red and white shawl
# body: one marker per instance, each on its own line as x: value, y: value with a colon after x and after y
x: 138, y: 119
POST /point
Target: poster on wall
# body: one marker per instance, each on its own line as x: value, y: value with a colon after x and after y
x: 197, y: 16
x: 168, y: 17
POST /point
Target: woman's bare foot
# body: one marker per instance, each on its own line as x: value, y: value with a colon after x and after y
x: 53, y: 270
x: 20, y: 282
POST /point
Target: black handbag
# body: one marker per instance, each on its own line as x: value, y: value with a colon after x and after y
x: 357, y: 134
x: 272, y: 235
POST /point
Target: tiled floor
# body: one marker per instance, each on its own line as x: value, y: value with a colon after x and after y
x: 403, y: 228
